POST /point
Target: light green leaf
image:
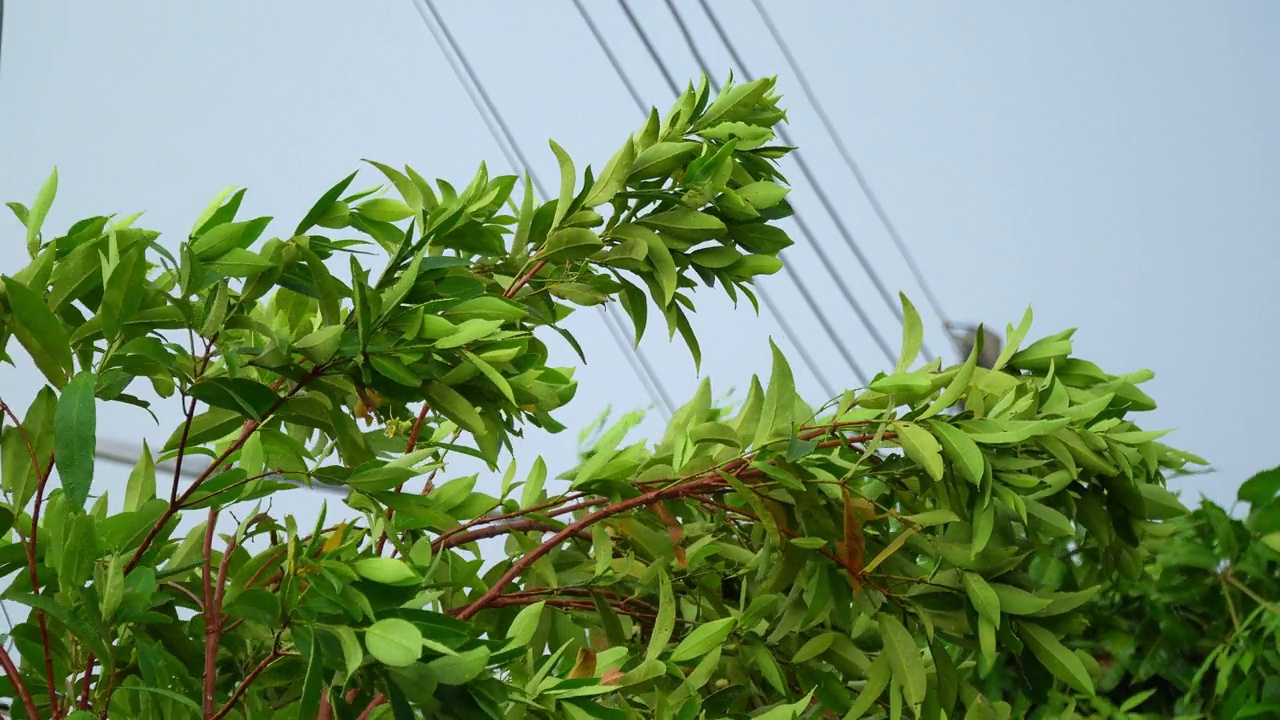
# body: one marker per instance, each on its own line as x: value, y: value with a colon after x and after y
x: 983, y: 597
x: 454, y: 406
x: 878, y: 676
x: 75, y: 425
x: 685, y: 224
x: 1016, y: 601
x: 39, y: 209
x: 921, y: 446
x: 779, y: 402
x: 665, y: 623
x: 385, y: 209
x: 385, y: 570
x: 493, y: 375
x: 930, y: 518
x: 1056, y: 658
x: 459, y: 669
x: 573, y: 243
x: 532, y: 489
x: 659, y: 256
x: 352, y: 653
x: 912, y: 335
x: 567, y: 181
x: 815, y: 646
x: 142, y: 481
x: 394, y: 642
x: 1016, y: 336
x: 613, y: 177
x: 468, y: 332
x: 525, y: 625
x: 702, y: 639
x: 965, y: 455
x: 319, y: 346
x: 40, y: 332
x: 789, y: 711
x: 904, y: 658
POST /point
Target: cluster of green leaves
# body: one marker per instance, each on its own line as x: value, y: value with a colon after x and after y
x: 1198, y: 635
x: 887, y: 552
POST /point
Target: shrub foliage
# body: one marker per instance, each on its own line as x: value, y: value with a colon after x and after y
x: 938, y: 543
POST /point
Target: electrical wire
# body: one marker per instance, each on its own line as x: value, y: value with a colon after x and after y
x: 823, y: 198
x: 481, y: 99
x: 847, y: 156
x: 788, y: 270
x: 805, y: 357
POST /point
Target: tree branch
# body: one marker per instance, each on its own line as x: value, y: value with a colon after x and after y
x: 244, y: 684
x: 19, y: 685
x: 572, y: 529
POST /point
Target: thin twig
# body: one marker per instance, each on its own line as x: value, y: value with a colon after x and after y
x: 244, y: 684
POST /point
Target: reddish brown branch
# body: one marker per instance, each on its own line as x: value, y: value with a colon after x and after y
x: 521, y: 525
x: 19, y: 685
x: 210, y: 616
x: 244, y: 684
x: 378, y: 699
x: 574, y: 528
x: 524, y: 279
x: 250, y: 427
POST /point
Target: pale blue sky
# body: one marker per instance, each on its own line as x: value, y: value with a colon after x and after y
x: 1113, y: 165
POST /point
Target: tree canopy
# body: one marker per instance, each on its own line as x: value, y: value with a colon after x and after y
x: 929, y: 545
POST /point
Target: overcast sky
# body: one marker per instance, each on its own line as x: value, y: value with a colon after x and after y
x: 1112, y: 165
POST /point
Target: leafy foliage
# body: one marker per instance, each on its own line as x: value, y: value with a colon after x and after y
x: 895, y: 549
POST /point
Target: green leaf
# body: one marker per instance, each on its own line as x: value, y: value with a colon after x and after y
x: 142, y: 481
x: 40, y: 332
x: 904, y: 383
x: 453, y: 405
x: 322, y: 205
x: 702, y: 639
x: 352, y: 653
x: 904, y: 658
x: 319, y: 346
x: 788, y: 711
x: 1016, y: 336
x: 75, y: 438
x: 659, y: 256
x: 213, y: 207
x: 312, y: 680
x: 385, y: 209
x: 878, y: 676
x: 1056, y: 658
x: 493, y: 376
x: 613, y: 177
x: 685, y: 224
x: 1016, y: 601
x: 912, y: 335
x: 567, y: 181
x: 1261, y: 488
x: 249, y: 397
x: 965, y: 455
x: 921, y: 446
x: 39, y: 209
x: 385, y: 570
x: 815, y: 646
x: 779, y: 402
x: 532, y: 490
x: 571, y: 244
x: 394, y: 642
x: 661, y: 159
x: 763, y: 194
x: 468, y: 332
x: 171, y: 695
x: 983, y: 597
x: 930, y: 518
x: 665, y: 623
x: 525, y: 625
x: 239, y: 263
x: 459, y: 669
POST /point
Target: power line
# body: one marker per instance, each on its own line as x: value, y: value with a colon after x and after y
x: 821, y: 194
x: 763, y: 295
x: 480, y: 98
x: 787, y: 269
x: 846, y: 155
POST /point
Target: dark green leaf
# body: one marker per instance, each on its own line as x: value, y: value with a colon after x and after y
x: 75, y: 438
